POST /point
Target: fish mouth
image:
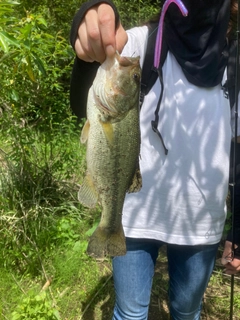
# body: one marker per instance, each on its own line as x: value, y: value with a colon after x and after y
x: 126, y: 61
x: 115, y: 89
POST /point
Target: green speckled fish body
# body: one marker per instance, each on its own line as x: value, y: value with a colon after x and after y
x: 112, y: 136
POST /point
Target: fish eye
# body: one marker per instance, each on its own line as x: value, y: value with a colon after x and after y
x: 136, y: 76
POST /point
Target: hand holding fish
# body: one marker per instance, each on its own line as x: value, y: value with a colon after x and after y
x: 97, y: 35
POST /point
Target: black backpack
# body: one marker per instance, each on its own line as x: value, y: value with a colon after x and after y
x: 150, y: 73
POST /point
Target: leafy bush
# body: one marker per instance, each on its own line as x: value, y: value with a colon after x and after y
x: 137, y: 12
x: 36, y: 69
x: 40, y: 153
x: 58, y: 13
x: 36, y: 307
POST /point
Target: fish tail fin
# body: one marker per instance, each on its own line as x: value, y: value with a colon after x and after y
x: 104, y: 242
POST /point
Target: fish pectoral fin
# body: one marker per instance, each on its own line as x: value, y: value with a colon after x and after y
x: 87, y: 193
x: 85, y: 131
x: 108, y: 131
x: 136, y: 184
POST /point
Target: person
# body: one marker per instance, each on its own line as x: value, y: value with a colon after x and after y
x: 182, y: 201
x: 232, y: 265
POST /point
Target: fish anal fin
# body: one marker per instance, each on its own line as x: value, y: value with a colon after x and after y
x: 85, y: 131
x: 136, y: 183
x: 87, y: 193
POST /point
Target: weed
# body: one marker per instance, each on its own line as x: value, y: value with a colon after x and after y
x: 38, y: 207
x: 36, y: 307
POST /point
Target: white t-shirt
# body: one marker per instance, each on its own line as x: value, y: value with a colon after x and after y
x: 182, y: 200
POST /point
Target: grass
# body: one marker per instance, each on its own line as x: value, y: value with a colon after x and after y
x: 80, y: 288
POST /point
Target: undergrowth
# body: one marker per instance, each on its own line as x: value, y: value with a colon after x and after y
x: 43, y: 227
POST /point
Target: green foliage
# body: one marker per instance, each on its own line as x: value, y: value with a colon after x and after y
x: 36, y: 195
x: 36, y: 307
x: 36, y: 69
x: 40, y: 154
x: 132, y: 12
x: 58, y: 13
x: 136, y: 12
x: 66, y: 231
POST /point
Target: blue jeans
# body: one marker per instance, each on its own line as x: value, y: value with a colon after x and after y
x: 189, y: 268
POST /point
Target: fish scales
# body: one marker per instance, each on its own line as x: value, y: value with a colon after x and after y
x: 112, y: 135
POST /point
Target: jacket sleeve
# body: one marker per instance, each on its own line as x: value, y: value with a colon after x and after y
x: 83, y: 73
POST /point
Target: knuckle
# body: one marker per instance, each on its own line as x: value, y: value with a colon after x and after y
x: 83, y: 54
x: 105, y: 19
x: 94, y: 34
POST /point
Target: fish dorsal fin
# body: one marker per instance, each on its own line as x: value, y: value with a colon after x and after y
x: 87, y: 193
x: 136, y: 183
x: 108, y: 131
x: 85, y: 131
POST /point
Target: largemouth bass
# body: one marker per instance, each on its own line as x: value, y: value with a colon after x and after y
x: 112, y: 135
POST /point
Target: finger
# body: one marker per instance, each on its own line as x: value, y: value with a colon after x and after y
x: 81, y: 53
x: 93, y: 45
x: 226, y: 257
x: 231, y: 270
x: 83, y: 46
x: 224, y: 261
x: 233, y: 267
x: 106, y: 19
